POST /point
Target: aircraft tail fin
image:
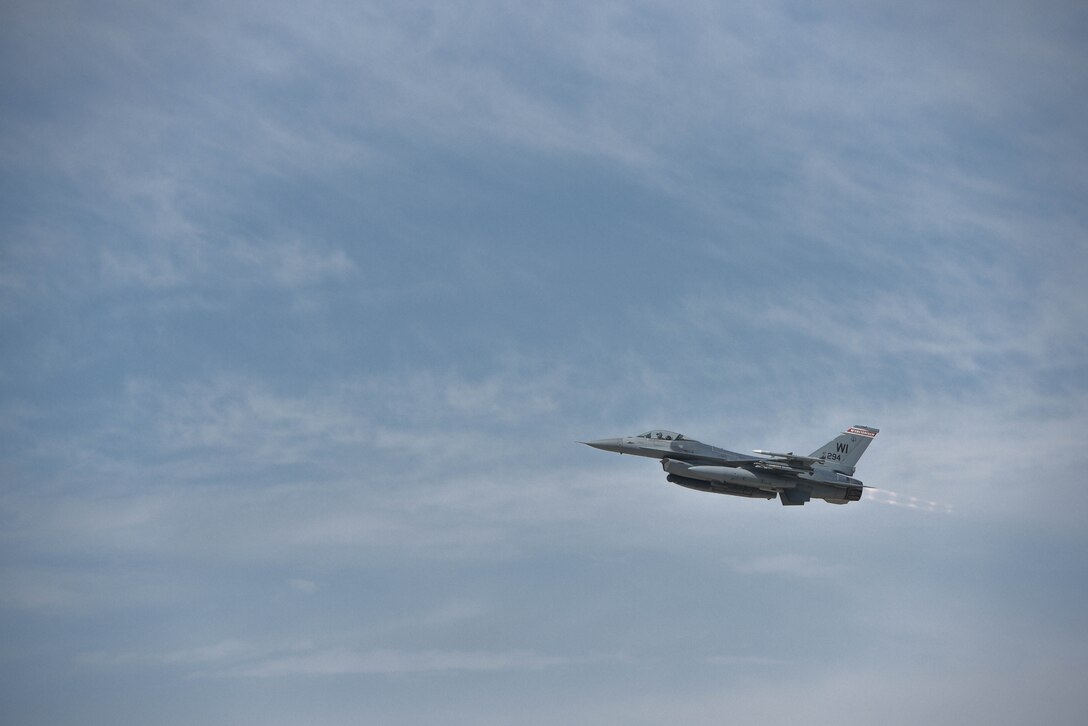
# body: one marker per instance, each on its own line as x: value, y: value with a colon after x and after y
x: 841, y: 454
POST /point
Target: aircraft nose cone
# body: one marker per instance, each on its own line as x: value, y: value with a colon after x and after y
x: 606, y: 444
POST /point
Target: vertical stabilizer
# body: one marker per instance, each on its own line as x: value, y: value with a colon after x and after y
x: 841, y: 454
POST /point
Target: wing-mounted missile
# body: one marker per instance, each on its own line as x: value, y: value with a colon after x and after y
x: 789, y: 459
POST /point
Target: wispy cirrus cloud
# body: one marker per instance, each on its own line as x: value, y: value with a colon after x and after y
x: 339, y: 661
x: 70, y: 590
x: 238, y: 659
x: 789, y: 565
x: 308, y: 307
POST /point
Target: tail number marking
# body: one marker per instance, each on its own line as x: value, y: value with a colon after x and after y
x: 836, y: 455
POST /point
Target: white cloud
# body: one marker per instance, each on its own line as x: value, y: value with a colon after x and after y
x: 79, y: 590
x: 791, y: 565
x: 998, y: 694
x: 234, y: 658
x: 340, y: 661
x: 745, y: 660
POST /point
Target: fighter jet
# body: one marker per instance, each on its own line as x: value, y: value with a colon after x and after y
x: 826, y: 473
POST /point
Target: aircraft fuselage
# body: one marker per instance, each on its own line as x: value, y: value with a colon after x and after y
x: 796, y: 479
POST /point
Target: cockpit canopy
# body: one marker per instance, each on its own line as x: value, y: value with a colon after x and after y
x: 661, y: 435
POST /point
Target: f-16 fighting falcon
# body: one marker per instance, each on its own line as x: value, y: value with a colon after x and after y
x: 824, y: 474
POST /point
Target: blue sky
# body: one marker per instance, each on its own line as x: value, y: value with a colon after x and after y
x: 304, y: 310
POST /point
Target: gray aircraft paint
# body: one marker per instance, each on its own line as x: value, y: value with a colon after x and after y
x: 825, y: 474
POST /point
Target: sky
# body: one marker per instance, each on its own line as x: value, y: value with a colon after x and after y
x: 304, y: 309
